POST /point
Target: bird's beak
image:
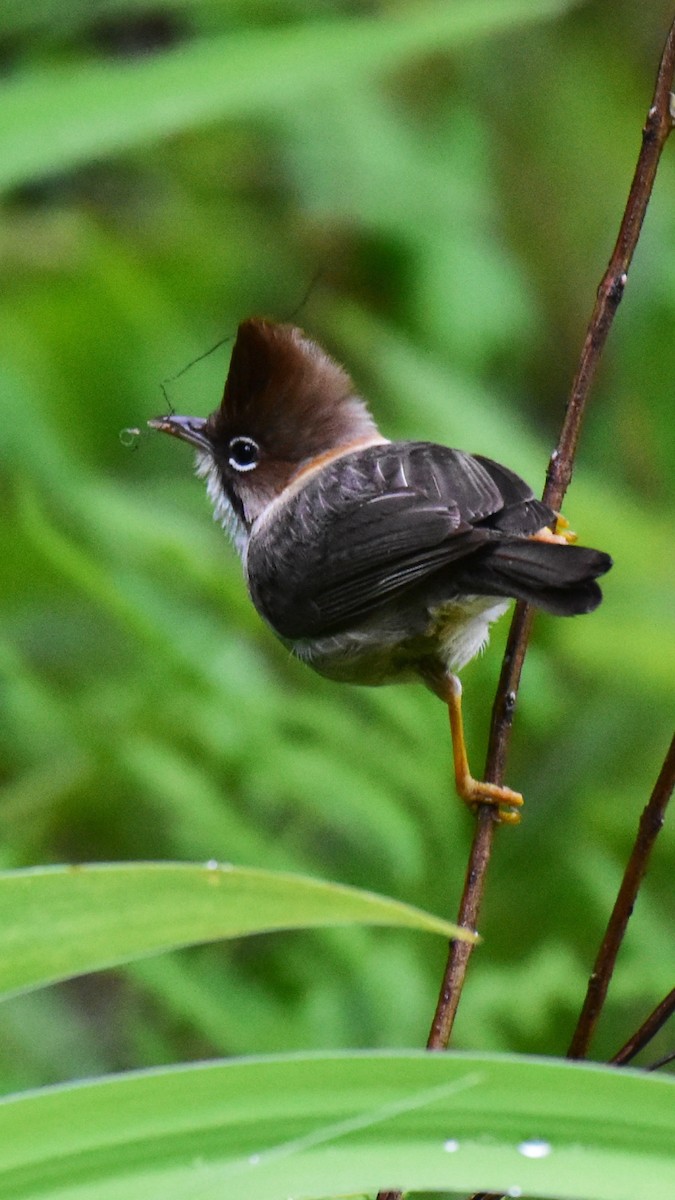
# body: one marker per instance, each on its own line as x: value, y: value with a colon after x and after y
x: 188, y: 429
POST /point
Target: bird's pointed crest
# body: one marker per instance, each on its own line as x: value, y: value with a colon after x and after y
x: 284, y: 391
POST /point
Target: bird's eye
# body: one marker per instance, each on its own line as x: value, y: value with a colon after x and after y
x: 243, y: 453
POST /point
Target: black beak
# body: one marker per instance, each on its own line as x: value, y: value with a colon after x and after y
x: 188, y: 429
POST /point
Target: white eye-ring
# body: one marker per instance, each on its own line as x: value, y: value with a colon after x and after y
x: 243, y: 453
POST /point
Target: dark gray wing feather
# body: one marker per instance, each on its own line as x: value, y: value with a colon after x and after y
x: 521, y: 512
x: 371, y: 525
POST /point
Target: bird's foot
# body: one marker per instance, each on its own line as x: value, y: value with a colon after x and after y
x: 507, y: 802
x: 562, y: 529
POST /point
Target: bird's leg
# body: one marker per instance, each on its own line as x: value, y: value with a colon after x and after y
x: 471, y: 790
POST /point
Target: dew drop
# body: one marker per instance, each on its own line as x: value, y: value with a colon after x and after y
x: 534, y: 1148
x: 129, y: 437
x: 212, y: 864
x: 254, y: 1159
x: 451, y: 1145
x: 515, y: 1191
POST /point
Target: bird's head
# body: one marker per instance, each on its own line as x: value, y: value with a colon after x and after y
x: 287, y: 408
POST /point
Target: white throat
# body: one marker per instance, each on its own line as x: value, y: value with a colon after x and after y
x: 223, y: 511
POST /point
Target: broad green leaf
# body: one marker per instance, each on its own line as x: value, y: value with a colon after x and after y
x: 331, y: 1125
x: 56, y: 922
x: 56, y: 119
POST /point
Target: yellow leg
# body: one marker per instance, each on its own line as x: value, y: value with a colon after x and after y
x: 471, y: 790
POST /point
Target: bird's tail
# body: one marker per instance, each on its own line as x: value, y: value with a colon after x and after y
x: 560, y: 579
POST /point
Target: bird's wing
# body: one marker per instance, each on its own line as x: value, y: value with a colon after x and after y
x: 520, y: 512
x: 369, y: 526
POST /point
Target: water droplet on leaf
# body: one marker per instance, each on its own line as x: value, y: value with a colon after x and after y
x: 535, y: 1148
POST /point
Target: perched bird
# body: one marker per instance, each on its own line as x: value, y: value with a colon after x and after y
x: 374, y: 561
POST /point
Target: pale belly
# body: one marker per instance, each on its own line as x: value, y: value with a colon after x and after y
x: 375, y: 654
x: 462, y: 630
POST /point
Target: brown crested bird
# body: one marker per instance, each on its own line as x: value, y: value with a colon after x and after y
x: 374, y: 561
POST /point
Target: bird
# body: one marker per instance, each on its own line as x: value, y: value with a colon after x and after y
x: 374, y: 561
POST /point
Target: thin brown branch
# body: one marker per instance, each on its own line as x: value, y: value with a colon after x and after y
x: 504, y: 705
x: 469, y: 910
x: 655, y: 133
x: 662, y: 1062
x: 648, y: 1030
x: 659, y: 123
x: 650, y: 825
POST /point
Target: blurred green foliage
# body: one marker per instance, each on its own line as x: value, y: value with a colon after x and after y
x: 455, y: 176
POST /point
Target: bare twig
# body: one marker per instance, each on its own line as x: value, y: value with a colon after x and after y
x: 651, y: 822
x: 649, y: 1028
x: 659, y: 123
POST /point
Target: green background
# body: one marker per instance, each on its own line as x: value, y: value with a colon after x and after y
x: 166, y: 171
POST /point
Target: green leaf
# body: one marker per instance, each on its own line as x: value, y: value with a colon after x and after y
x: 329, y: 1125
x: 56, y: 922
x: 54, y: 120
